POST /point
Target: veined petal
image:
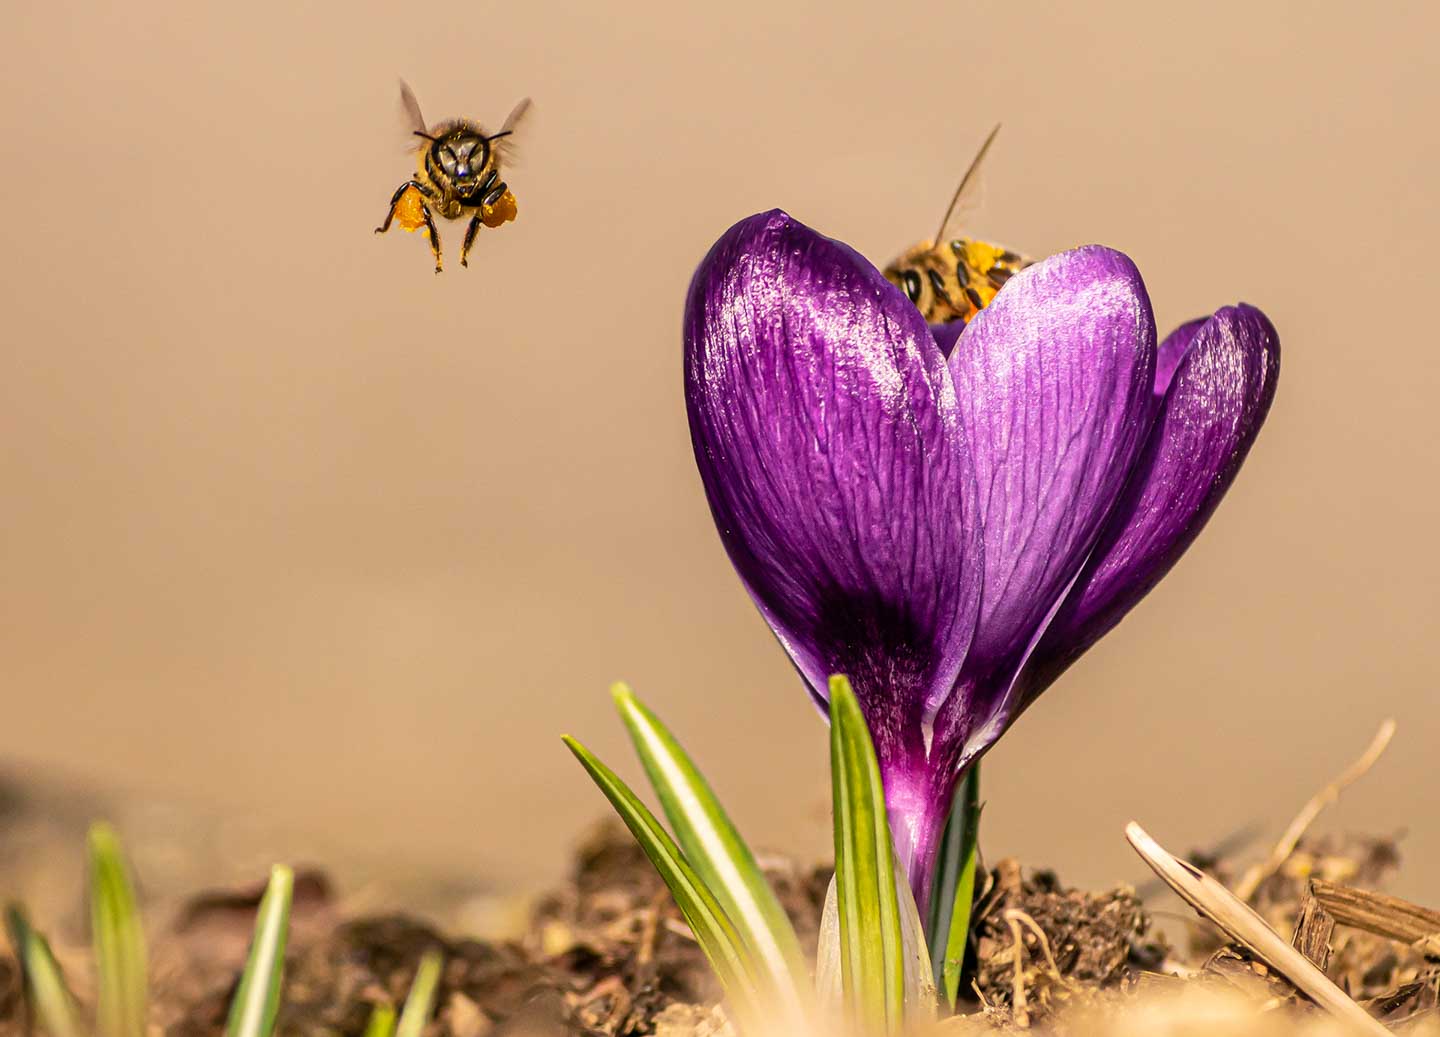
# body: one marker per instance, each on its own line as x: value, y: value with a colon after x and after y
x: 1055, y: 385
x: 1172, y: 351
x: 1218, y: 399
x: 826, y: 433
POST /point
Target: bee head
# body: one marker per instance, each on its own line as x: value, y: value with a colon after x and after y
x: 460, y: 156
x: 910, y: 273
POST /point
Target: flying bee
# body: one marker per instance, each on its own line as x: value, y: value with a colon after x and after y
x: 458, y: 175
x: 957, y: 278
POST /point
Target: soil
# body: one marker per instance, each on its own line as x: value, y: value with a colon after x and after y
x: 607, y: 955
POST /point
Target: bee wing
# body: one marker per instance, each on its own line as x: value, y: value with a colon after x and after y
x: 410, y: 112
x: 967, y: 195
x: 521, y: 109
x: 505, y: 145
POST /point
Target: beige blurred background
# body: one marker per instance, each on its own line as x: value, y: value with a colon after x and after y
x: 294, y: 531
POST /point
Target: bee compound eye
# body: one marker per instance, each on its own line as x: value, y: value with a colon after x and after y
x: 912, y: 285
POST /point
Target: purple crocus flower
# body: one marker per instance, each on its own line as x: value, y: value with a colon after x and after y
x: 951, y: 517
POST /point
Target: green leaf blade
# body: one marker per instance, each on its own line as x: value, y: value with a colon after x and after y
x: 257, y: 1000
x: 421, y: 999
x: 707, y: 920
x: 381, y: 1022
x: 949, y: 923
x: 45, y: 983
x: 715, y: 849
x: 871, y: 960
x: 118, y: 938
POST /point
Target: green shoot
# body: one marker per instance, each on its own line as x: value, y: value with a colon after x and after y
x: 382, y: 1021
x: 117, y: 937
x: 421, y: 999
x: 716, y: 850
x: 257, y: 1001
x: 872, y: 966
x: 949, y: 926
x: 54, y: 1006
x: 713, y: 930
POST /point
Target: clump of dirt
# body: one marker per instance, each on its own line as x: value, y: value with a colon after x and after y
x: 1070, y: 943
x: 622, y: 945
x: 12, y: 993
x: 333, y: 983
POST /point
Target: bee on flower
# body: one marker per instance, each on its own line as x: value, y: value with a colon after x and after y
x: 952, y: 514
x: 952, y: 277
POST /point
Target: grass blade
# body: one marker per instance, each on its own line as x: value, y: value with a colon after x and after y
x: 949, y: 928
x: 872, y: 967
x: 707, y: 920
x: 421, y: 999
x: 382, y: 1022
x: 44, y: 982
x: 257, y: 1001
x: 117, y: 937
x: 715, y: 849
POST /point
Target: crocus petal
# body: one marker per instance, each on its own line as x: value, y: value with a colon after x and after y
x: 1217, y: 401
x: 826, y: 433
x: 1055, y: 382
x: 1172, y: 351
x: 946, y: 335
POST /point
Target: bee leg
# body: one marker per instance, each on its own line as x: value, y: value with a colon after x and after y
x: 434, y: 234
x: 937, y: 284
x: 395, y: 200
x: 469, y: 239
x: 495, y: 193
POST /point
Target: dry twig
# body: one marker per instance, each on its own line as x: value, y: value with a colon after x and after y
x: 1313, y: 928
x: 1013, y: 915
x: 1258, y: 873
x: 1380, y: 914
x: 1019, y: 1012
x: 1243, y: 925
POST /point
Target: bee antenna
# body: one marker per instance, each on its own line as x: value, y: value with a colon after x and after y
x: 502, y: 133
x: 965, y: 183
x: 425, y: 135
